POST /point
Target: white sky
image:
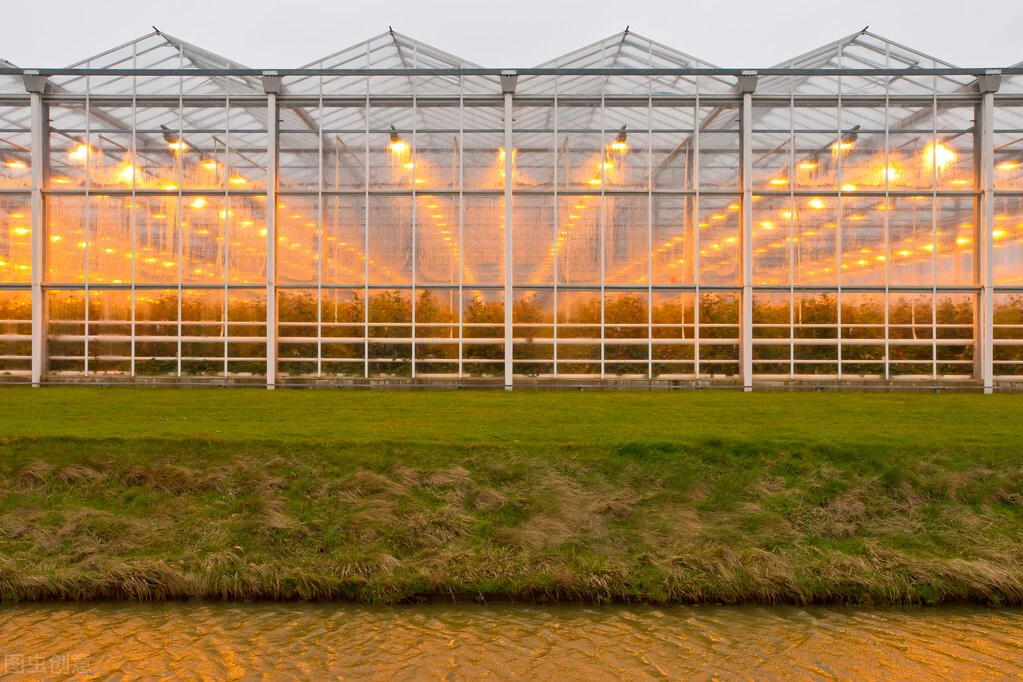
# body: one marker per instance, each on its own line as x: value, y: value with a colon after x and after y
x: 519, y: 33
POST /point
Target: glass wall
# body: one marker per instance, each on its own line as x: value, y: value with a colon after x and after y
x: 637, y: 205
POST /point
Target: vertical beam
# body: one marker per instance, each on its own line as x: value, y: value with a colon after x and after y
x: 987, y: 85
x: 35, y: 85
x: 508, y: 80
x: 747, y: 85
x: 271, y: 86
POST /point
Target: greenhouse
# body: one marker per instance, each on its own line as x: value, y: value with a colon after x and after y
x: 623, y: 215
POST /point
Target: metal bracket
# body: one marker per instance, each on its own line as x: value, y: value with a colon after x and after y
x: 748, y: 82
x: 33, y: 81
x: 990, y: 81
x: 508, y: 81
x: 271, y: 83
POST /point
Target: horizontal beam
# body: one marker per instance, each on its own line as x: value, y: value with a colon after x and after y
x: 496, y: 73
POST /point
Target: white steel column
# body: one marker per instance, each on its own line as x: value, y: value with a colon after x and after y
x: 984, y: 347
x: 35, y: 84
x: 271, y: 86
x: 747, y: 85
x: 508, y: 80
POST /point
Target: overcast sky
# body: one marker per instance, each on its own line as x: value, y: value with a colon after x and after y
x: 516, y: 33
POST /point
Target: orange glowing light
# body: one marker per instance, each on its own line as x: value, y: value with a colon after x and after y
x: 237, y: 180
x: 848, y: 188
x: 128, y: 174
x: 816, y: 203
x: 780, y: 182
x: 938, y: 156
x: 841, y: 147
x: 178, y: 146
x: 1008, y: 166
x: 889, y: 173
x: 16, y: 165
x: 808, y: 165
x: 198, y: 203
x: 79, y: 153
x: 209, y: 164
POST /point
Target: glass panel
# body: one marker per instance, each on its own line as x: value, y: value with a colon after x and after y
x: 15, y: 239
x: 772, y: 247
x: 483, y: 330
x: 533, y: 331
x: 342, y: 324
x: 719, y: 240
x: 626, y: 239
x: 156, y: 333
x: 246, y: 332
x: 437, y: 245
x: 815, y: 334
x: 298, y: 240
x: 297, y: 327
x: 911, y: 330
x: 626, y: 334
x: 1008, y: 333
x: 15, y: 333
x: 910, y: 240
x: 674, y: 239
x: 390, y: 333
x: 863, y: 243
x: 1008, y: 240
x: 772, y: 331
x: 673, y: 334
x: 203, y: 342
x: 863, y: 333
x: 815, y: 240
x: 483, y: 240
x: 579, y: 318
x: 344, y: 240
x: 65, y: 332
x: 110, y: 329
x: 719, y: 335
x: 390, y: 239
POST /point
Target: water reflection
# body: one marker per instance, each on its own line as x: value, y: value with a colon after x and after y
x: 249, y: 641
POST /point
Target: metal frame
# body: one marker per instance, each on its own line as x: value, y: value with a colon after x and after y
x: 570, y: 84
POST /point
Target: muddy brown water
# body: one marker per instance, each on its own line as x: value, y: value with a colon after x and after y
x: 505, y: 641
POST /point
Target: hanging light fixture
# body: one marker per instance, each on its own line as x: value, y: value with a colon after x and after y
x: 398, y: 145
x: 620, y: 144
x: 173, y: 139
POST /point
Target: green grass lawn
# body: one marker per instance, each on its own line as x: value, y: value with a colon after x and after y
x: 386, y: 496
x: 530, y: 418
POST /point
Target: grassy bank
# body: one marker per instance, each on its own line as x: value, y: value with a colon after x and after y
x: 382, y: 497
